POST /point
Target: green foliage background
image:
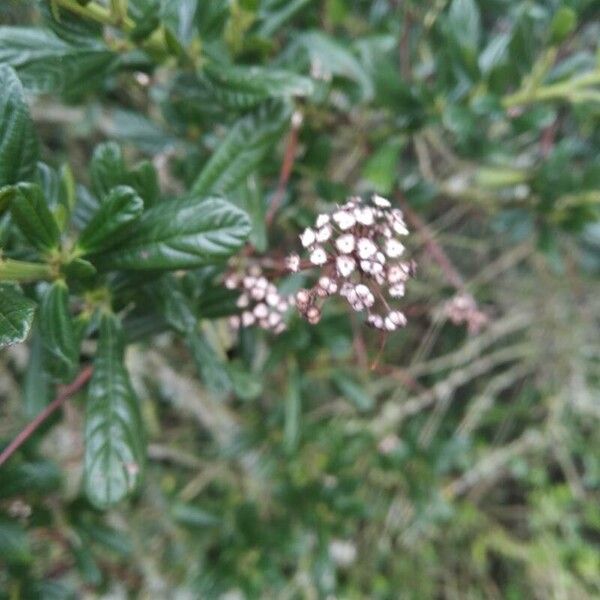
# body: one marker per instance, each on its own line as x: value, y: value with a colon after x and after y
x: 141, y: 145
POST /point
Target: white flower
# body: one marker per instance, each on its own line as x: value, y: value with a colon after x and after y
x: 366, y: 248
x: 313, y: 315
x: 243, y: 301
x: 345, y: 265
x: 397, y: 290
x: 345, y: 243
x: 365, y: 294
x: 282, y: 306
x: 364, y: 215
x: 274, y: 319
x: 292, y: 262
x: 234, y: 321
x: 302, y: 298
x: 231, y: 282
x: 322, y: 220
x: 400, y: 227
x: 307, y: 237
x: 324, y: 233
x: 396, y: 274
x: 393, y: 248
x: 397, y: 318
x: 261, y: 311
x: 344, y: 219
x: 318, y: 256
x: 375, y: 321
x: 257, y: 293
x: 366, y: 265
x: 248, y: 318
x: 273, y: 298
x: 389, y: 324
x: 380, y: 201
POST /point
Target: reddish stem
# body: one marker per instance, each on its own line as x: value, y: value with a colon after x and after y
x: 285, y: 172
x: 64, y: 393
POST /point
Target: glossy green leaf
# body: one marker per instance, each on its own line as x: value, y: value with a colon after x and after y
x: 465, y: 20
x: 18, y: 141
x: 46, y: 63
x: 179, y: 234
x: 114, y: 440
x: 243, y: 149
x: 31, y: 213
x: 239, y: 88
x: 107, y: 168
x: 37, y: 386
x: 121, y: 206
x: 16, y: 315
x: 58, y: 333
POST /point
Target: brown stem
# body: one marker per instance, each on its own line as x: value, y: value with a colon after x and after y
x: 453, y: 277
x: 286, y: 170
x: 64, y: 393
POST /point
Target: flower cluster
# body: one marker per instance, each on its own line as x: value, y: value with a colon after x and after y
x: 462, y: 308
x: 260, y: 302
x: 359, y: 251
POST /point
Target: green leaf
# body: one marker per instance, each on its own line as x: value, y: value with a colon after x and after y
x: 563, y: 23
x: 193, y: 516
x: 381, y: 169
x: 107, y: 169
x: 178, y: 312
x: 14, y: 545
x: 37, y: 477
x: 37, y: 387
x: 335, y: 59
x: 179, y: 234
x: 46, y: 63
x: 18, y: 141
x: 243, y: 149
x: 58, y: 333
x: 211, y: 365
x: 240, y: 87
x: 120, y: 207
x: 252, y: 200
x: 352, y: 391
x: 465, y: 23
x: 292, y: 411
x: 16, y: 315
x: 114, y: 440
x: 31, y: 213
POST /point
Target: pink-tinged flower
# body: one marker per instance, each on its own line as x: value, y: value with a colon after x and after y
x: 345, y: 265
x: 380, y: 201
x: 393, y: 248
x: 324, y: 233
x: 318, y: 256
x: 366, y: 248
x: 322, y: 220
x: 344, y: 219
x: 345, y: 243
x: 292, y: 262
x: 307, y: 237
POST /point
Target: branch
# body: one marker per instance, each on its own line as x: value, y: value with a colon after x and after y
x: 65, y: 392
x: 286, y: 168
